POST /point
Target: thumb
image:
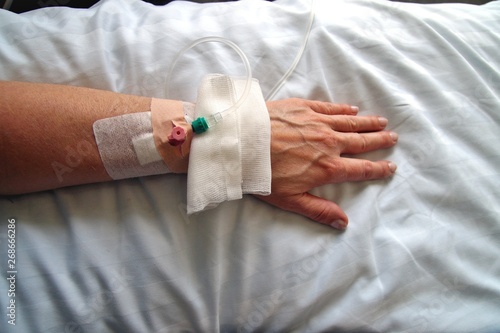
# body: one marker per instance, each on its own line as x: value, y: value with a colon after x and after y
x: 311, y: 206
x: 320, y: 210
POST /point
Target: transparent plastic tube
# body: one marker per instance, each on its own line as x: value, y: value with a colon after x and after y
x: 202, y: 124
x: 292, y: 68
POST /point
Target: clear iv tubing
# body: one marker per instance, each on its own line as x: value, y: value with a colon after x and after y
x: 281, y: 82
x: 201, y: 124
x: 214, y: 119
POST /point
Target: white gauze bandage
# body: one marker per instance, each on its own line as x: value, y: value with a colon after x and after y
x: 127, y: 146
x: 233, y: 157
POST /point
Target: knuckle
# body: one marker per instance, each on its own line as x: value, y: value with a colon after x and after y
x: 363, y: 143
x: 329, y: 140
x: 352, y: 124
x: 327, y: 167
x: 323, y: 215
x: 338, y: 170
x: 368, y: 171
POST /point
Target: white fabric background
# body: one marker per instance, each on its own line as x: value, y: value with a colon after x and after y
x: 422, y: 250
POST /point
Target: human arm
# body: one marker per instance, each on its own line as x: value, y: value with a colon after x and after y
x: 48, y: 128
x: 47, y: 138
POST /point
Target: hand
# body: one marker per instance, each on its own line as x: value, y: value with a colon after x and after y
x: 307, y: 141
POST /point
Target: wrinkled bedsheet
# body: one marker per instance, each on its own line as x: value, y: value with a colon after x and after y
x: 422, y: 251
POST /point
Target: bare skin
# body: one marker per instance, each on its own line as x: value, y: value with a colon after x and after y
x: 43, y: 125
x: 308, y: 139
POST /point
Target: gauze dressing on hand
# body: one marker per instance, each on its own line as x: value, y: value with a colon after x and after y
x: 232, y: 158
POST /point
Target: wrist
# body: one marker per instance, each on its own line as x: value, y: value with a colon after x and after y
x: 233, y: 157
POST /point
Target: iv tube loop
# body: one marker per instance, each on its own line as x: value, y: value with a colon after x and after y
x: 284, y: 78
x: 214, y: 39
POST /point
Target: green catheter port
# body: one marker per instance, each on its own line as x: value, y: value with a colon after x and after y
x: 199, y: 125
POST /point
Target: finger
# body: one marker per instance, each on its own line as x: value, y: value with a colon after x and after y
x: 351, y: 169
x: 343, y: 123
x: 332, y: 108
x: 357, y: 143
x: 313, y: 207
x: 319, y: 210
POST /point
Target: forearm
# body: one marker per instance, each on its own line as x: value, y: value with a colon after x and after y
x: 47, y: 134
x: 48, y: 140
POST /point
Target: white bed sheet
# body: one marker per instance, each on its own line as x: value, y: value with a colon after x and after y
x: 422, y: 252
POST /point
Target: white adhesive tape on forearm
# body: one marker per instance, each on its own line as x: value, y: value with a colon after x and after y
x: 233, y: 157
x: 127, y: 146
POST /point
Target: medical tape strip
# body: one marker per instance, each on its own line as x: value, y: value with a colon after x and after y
x: 127, y: 146
x: 165, y: 115
x: 233, y: 157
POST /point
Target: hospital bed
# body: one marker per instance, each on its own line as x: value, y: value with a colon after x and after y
x: 422, y: 250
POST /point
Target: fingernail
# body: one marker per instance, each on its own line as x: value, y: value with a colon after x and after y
x: 392, y: 167
x: 382, y: 121
x: 394, y: 136
x: 339, y: 224
x: 355, y: 109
